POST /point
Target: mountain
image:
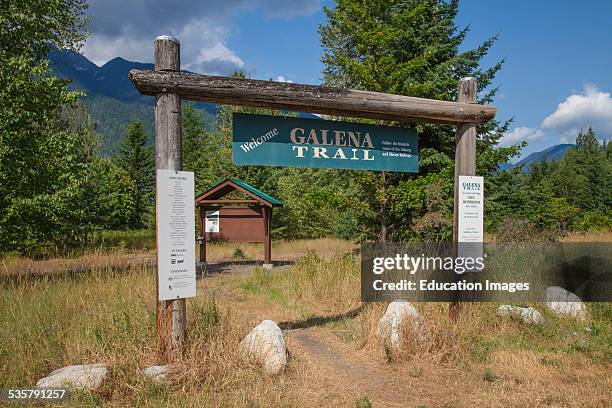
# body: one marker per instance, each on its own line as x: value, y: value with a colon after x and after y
x: 111, y: 98
x: 504, y: 166
x: 109, y: 80
x: 553, y: 153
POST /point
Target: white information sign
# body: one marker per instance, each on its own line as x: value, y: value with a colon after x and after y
x: 175, y: 234
x: 471, y: 216
x: 212, y: 221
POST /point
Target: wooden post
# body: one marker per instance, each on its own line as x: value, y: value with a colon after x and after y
x: 465, y: 165
x: 171, y: 314
x: 267, y: 213
x: 202, y: 241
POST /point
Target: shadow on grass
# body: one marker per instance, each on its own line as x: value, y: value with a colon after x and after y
x: 321, y: 320
x: 237, y: 266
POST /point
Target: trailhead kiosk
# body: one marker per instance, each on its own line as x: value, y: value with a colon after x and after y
x: 235, y: 219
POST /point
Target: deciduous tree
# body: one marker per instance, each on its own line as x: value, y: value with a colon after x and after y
x: 40, y: 162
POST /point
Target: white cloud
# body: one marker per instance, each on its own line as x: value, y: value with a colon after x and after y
x: 579, y: 111
x: 281, y: 78
x: 203, y: 48
x: 214, y: 57
x: 591, y: 108
x: 127, y: 29
x: 519, y: 134
x: 101, y: 48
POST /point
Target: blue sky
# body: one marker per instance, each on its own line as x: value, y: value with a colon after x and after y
x: 556, y: 80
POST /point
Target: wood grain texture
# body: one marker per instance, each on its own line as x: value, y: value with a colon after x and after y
x: 171, y: 314
x: 308, y: 98
x: 465, y: 148
x: 465, y: 165
x: 167, y: 54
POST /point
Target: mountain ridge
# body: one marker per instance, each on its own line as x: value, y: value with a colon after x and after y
x: 113, y: 101
x: 110, y: 96
x: 552, y: 153
x: 110, y: 79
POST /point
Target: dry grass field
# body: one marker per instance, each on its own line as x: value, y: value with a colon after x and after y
x: 106, y: 313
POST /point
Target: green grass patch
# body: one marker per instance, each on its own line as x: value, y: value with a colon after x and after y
x: 363, y: 402
x: 480, y: 349
x: 489, y: 376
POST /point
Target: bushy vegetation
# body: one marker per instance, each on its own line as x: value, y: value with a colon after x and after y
x: 574, y: 193
x: 41, y: 164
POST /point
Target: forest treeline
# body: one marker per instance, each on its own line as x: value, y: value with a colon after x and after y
x: 57, y: 190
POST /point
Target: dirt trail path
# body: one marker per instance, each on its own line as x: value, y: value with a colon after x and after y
x: 331, y: 372
x: 342, y: 375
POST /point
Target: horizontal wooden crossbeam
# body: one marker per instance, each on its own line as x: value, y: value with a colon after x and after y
x: 308, y: 98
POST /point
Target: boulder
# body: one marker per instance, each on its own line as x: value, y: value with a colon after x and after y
x: 80, y: 377
x: 266, y: 346
x: 400, y: 322
x: 565, y: 303
x: 158, y: 373
x: 528, y: 315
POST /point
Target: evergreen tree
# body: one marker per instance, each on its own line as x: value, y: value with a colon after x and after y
x: 193, y: 135
x: 409, y: 47
x: 591, y: 158
x: 583, y: 174
x: 557, y: 196
x: 207, y: 153
x: 137, y: 159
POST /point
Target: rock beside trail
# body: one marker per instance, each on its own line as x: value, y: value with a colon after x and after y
x: 265, y: 345
x: 158, y: 373
x: 528, y: 315
x: 80, y: 377
x: 400, y: 322
x: 565, y: 303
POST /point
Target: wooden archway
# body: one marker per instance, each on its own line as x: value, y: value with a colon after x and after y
x: 169, y: 85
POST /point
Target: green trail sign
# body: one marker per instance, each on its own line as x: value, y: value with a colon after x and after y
x: 287, y: 141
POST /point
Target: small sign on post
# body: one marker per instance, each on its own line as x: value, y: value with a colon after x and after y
x: 175, y: 235
x: 471, y: 216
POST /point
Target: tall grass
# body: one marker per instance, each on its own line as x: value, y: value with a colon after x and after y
x: 316, y: 287
x: 110, y: 318
x: 106, y: 316
x: 312, y: 285
x: 503, y: 362
x: 117, y: 254
x: 281, y: 250
x: 130, y: 240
